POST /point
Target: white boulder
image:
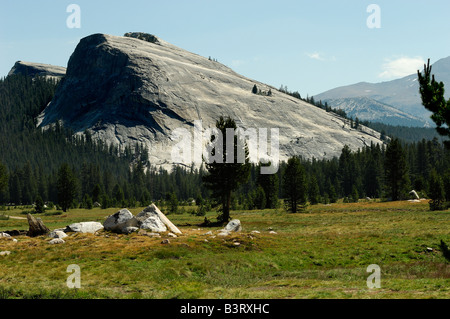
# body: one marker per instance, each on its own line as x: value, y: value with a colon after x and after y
x: 57, y: 234
x: 85, y: 227
x: 154, y: 224
x: 120, y: 220
x: 234, y: 226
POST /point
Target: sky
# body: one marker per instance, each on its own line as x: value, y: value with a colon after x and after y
x: 308, y: 46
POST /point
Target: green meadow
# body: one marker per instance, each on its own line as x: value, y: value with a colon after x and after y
x: 323, y: 252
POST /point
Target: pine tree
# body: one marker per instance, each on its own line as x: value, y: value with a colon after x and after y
x: 3, y: 178
x: 39, y: 205
x: 270, y: 185
x: 294, y: 185
x: 396, y: 171
x: 96, y: 193
x: 255, y: 89
x: 173, y: 202
x: 436, y: 192
x: 446, y: 181
x: 223, y: 177
x: 260, y: 198
x: 118, y: 195
x: 432, y: 93
x: 348, y: 171
x: 355, y: 194
x: 313, y: 190
x: 67, y: 187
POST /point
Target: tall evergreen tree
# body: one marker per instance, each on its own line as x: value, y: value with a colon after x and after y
x: 223, y: 177
x: 348, y: 171
x: 270, y: 185
x: 67, y: 187
x: 396, y: 171
x: 313, y: 190
x: 3, y: 178
x: 294, y: 185
x: 436, y: 192
x: 432, y: 93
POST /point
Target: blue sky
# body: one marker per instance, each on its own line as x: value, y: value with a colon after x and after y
x: 308, y: 46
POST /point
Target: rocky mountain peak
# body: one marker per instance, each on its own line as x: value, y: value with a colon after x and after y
x: 126, y: 90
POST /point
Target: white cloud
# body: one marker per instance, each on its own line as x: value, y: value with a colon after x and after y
x: 400, y: 67
x: 320, y: 57
x: 315, y: 56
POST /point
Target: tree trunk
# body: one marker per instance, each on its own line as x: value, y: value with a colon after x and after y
x: 37, y: 227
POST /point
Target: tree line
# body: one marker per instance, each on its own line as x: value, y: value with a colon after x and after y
x: 45, y: 166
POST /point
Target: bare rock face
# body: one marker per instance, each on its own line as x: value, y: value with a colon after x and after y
x: 38, y: 69
x: 140, y: 88
x: 37, y: 227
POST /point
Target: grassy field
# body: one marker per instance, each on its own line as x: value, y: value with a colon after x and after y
x: 323, y: 253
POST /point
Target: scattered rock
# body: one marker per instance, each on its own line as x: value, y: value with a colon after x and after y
x: 56, y: 241
x: 84, y: 227
x: 208, y: 233
x: 142, y: 232
x: 223, y: 233
x: 119, y: 221
x: 172, y: 235
x: 165, y: 242
x: 57, y: 234
x: 429, y: 249
x: 255, y: 232
x: 36, y: 227
x: 129, y: 230
x: 5, y: 253
x: 273, y: 232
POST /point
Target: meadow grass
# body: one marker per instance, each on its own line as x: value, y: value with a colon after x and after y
x: 321, y: 253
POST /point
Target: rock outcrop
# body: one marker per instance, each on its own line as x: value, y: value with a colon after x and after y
x: 126, y: 90
x: 38, y: 69
x: 36, y: 227
x: 151, y: 218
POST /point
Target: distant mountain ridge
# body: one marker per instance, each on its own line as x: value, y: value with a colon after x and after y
x: 400, y: 97
x: 38, y: 69
x: 367, y: 109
